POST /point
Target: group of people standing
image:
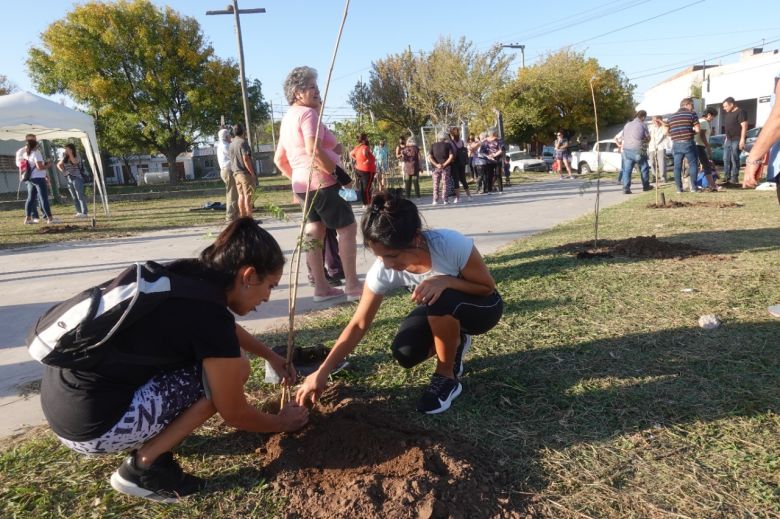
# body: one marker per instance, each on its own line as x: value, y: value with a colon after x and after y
x: 687, y: 136
x: 33, y: 173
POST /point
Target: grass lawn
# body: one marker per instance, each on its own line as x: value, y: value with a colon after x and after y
x: 158, y: 212
x: 598, y: 393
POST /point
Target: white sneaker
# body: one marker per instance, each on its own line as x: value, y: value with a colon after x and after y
x: 434, y: 203
x: 35, y: 220
x: 444, y: 202
x: 456, y: 201
x: 52, y: 220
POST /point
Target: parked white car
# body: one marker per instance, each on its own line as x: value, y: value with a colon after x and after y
x: 609, y: 159
x: 520, y: 161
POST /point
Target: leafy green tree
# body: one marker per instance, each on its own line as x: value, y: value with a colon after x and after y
x: 388, y: 93
x: 555, y: 94
x: 456, y: 82
x: 145, y: 73
x: 6, y: 86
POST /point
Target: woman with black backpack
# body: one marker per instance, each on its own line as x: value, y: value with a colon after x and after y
x: 72, y: 167
x: 168, y: 370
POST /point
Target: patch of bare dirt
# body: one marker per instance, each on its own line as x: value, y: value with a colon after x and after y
x: 674, y: 204
x: 60, y: 229
x: 635, y: 247
x: 356, y: 459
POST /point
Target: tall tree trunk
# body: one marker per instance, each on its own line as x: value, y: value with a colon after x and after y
x: 172, y: 175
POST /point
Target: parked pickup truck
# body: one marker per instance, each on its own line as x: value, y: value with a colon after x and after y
x: 609, y: 158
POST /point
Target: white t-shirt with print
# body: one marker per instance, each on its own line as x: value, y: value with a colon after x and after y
x: 450, y: 251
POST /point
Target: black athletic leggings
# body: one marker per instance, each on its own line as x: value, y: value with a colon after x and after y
x: 477, y: 314
x: 458, y: 174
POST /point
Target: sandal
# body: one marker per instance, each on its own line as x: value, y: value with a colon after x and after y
x: 332, y: 294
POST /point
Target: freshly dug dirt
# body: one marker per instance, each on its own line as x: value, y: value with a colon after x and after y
x: 356, y: 459
x: 636, y: 247
x: 674, y: 204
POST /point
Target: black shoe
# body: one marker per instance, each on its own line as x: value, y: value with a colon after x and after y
x: 463, y: 348
x: 647, y: 188
x: 626, y: 191
x: 333, y: 281
x: 439, y: 395
x: 163, y: 481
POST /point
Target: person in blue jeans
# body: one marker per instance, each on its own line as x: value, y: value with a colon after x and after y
x: 681, y: 127
x: 635, y: 139
x: 71, y: 167
x: 38, y: 183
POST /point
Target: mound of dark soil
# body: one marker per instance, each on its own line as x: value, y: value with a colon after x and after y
x: 636, y: 247
x: 356, y: 459
x: 673, y: 204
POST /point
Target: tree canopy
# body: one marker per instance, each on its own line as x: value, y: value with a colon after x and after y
x: 145, y: 73
x: 6, y: 86
x: 555, y: 94
x: 452, y: 83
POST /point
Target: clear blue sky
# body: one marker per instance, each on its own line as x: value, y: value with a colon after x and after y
x: 648, y: 40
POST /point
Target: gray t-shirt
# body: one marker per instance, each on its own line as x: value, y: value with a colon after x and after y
x: 238, y: 148
x: 450, y: 251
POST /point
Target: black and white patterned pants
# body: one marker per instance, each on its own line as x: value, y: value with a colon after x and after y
x: 155, y: 405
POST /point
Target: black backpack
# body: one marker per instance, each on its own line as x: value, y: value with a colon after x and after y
x: 76, y: 333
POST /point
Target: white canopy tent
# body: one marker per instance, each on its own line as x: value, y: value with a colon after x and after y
x: 22, y: 113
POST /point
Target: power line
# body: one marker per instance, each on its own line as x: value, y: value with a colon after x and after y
x: 639, y: 22
x: 712, y: 58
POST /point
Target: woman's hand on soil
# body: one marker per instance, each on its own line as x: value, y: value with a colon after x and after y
x: 428, y: 291
x: 311, y: 389
x: 288, y: 373
x: 293, y: 417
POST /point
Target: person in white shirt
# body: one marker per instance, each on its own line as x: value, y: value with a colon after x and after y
x: 38, y: 182
x: 226, y: 174
x: 455, y: 294
x: 657, y: 148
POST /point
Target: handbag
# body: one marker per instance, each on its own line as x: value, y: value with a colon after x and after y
x: 342, y: 177
x: 25, y: 170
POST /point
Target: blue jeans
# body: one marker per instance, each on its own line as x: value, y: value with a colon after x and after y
x: 37, y: 194
x: 731, y: 160
x: 629, y: 158
x: 76, y: 188
x: 685, y: 149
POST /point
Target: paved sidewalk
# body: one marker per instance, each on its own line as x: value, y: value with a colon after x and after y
x: 32, y: 279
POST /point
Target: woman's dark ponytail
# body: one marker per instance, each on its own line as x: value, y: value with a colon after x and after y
x: 392, y: 221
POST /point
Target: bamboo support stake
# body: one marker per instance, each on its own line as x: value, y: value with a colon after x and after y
x: 598, y: 164
x: 296, y: 255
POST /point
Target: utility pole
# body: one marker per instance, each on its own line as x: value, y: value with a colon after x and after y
x: 517, y: 46
x: 234, y: 10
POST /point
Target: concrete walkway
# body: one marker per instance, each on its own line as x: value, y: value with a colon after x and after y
x: 32, y: 279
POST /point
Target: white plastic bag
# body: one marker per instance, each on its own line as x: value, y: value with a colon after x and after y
x: 348, y: 194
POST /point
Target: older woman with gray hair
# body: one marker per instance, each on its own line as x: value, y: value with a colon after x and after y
x: 440, y: 156
x: 490, y: 151
x: 325, y: 208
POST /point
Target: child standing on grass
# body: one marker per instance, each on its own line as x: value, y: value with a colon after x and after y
x: 455, y: 294
x: 173, y: 369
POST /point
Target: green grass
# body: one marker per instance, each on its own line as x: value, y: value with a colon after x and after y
x: 158, y: 210
x: 597, y: 393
